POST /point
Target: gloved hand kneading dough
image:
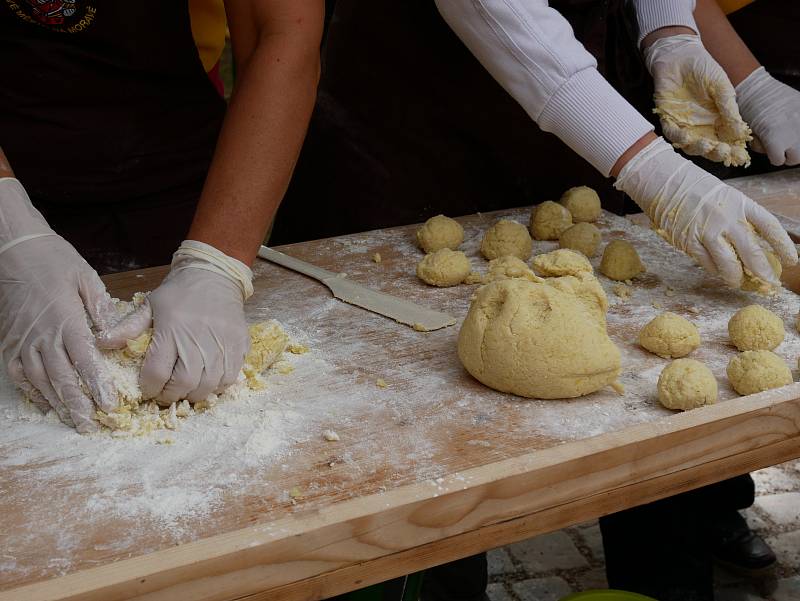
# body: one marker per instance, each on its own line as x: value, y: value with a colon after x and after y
x: 200, y: 335
x: 696, y: 101
x: 773, y: 111
x: 46, y: 292
x: 697, y: 213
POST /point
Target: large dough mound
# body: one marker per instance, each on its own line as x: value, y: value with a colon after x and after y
x: 755, y: 328
x: 686, y: 384
x: 444, y: 268
x: 583, y: 203
x: 507, y: 238
x: 562, y: 262
x: 440, y: 232
x: 549, y: 220
x: 669, y: 335
x: 582, y: 237
x: 620, y: 261
x: 756, y: 371
x: 536, y: 341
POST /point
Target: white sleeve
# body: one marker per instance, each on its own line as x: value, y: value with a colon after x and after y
x: 655, y: 14
x: 531, y: 51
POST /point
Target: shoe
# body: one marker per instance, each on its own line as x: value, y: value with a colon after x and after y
x: 746, y: 553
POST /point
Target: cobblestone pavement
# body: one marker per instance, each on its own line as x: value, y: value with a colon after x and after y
x: 551, y: 566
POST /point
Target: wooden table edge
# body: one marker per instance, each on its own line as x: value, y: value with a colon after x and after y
x: 319, y: 553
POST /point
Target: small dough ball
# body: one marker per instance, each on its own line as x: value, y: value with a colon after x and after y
x: 536, y: 341
x: 583, y: 203
x: 549, y: 220
x: 562, y: 262
x: 753, y: 283
x: 755, y: 328
x: 507, y: 238
x: 669, y: 336
x: 440, y: 232
x: 686, y: 384
x: 510, y: 267
x: 582, y: 237
x: 756, y: 371
x: 444, y: 268
x: 620, y: 261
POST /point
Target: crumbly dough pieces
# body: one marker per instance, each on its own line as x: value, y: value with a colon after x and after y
x: 549, y: 220
x: 440, y: 232
x: 686, y: 384
x: 620, y: 261
x: 669, y: 336
x: 562, y: 261
x: 536, y: 341
x: 755, y: 328
x: 583, y: 203
x: 753, y: 283
x: 444, y: 268
x: 507, y: 238
x: 582, y: 237
x: 755, y: 371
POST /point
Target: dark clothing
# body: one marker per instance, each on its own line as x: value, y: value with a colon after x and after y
x: 106, y: 110
x: 408, y: 123
x: 664, y: 549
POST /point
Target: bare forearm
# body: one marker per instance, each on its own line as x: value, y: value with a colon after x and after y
x: 722, y: 41
x: 5, y: 167
x: 258, y: 146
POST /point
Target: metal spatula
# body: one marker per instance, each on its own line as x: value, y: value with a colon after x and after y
x: 400, y: 310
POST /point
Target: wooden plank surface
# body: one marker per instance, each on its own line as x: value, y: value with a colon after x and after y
x: 431, y: 468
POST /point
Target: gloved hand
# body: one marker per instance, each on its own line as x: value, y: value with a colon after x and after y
x: 48, y: 294
x: 200, y: 335
x: 716, y: 225
x: 773, y: 111
x: 696, y: 101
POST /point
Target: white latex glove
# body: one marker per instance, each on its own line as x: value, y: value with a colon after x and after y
x: 773, y: 111
x: 48, y: 293
x: 713, y: 223
x: 200, y: 335
x: 696, y: 101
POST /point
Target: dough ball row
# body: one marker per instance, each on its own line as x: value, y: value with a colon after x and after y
x: 687, y: 383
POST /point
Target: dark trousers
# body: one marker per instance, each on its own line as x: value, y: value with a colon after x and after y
x: 665, y: 549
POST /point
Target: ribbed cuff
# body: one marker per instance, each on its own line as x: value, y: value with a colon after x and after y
x: 590, y: 117
x: 218, y: 262
x: 655, y: 14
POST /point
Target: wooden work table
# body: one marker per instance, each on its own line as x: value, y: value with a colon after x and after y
x: 433, y: 467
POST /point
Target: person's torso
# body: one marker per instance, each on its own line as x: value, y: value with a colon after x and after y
x: 100, y: 99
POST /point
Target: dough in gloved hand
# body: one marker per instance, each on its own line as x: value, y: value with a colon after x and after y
x: 507, y: 238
